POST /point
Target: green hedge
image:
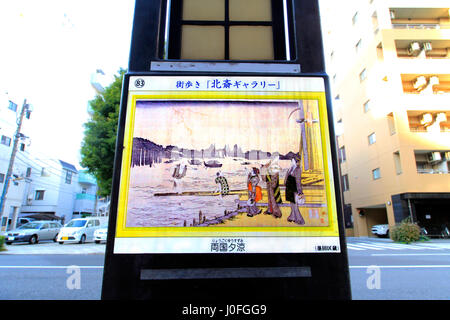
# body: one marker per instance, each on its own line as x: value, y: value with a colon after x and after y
x: 2, y: 243
x: 406, y: 232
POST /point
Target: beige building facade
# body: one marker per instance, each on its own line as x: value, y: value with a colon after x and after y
x: 389, y: 68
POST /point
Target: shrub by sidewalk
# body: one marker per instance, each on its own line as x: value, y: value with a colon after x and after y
x: 407, y: 232
x: 2, y: 243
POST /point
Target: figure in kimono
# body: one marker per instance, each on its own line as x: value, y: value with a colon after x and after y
x: 179, y: 172
x: 294, y: 190
x: 254, y: 192
x: 222, y: 182
x: 271, y: 175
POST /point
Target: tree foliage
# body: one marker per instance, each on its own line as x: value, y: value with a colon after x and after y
x: 98, y: 146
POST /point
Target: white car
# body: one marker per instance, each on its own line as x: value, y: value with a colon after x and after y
x: 381, y: 230
x: 78, y: 230
x: 101, y: 233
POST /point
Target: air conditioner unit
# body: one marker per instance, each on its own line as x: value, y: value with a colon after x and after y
x: 414, y: 48
x: 427, y: 46
x: 420, y: 83
x: 434, y: 80
x: 441, y: 117
x: 427, y: 119
x: 434, y: 156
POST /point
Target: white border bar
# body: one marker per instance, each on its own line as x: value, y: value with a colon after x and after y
x: 250, y: 245
x: 235, y: 83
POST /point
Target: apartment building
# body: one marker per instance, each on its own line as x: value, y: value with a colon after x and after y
x: 58, y: 188
x: 389, y: 68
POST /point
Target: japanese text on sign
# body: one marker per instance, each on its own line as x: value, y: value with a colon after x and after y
x: 227, y: 84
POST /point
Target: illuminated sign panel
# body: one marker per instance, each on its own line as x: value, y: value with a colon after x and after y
x: 229, y: 164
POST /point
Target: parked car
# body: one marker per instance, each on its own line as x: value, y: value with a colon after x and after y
x: 101, y: 233
x: 79, y: 230
x: 381, y: 230
x: 22, y: 221
x: 34, y: 231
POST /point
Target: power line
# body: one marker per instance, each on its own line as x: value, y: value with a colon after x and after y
x: 47, y: 183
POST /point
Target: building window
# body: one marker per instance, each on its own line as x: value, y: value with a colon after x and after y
x: 22, y: 147
x: 372, y: 138
x: 6, y: 141
x: 398, y: 164
x: 375, y: 22
x: 39, y: 195
x: 68, y: 177
x: 227, y: 30
x: 355, y: 18
x: 83, y: 190
x: 12, y: 106
x: 367, y: 106
x: 363, y: 75
x: 342, y: 156
x: 345, y: 184
x: 391, y: 123
x: 376, y: 174
x: 2, y: 177
x: 358, y: 45
x: 14, y: 179
x: 28, y: 174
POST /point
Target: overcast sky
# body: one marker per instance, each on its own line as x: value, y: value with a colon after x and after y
x: 50, y: 48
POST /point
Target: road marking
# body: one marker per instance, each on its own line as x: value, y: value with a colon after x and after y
x: 50, y: 267
x: 364, y: 247
x: 392, y: 246
x: 101, y: 267
x: 382, y: 246
x: 350, y: 246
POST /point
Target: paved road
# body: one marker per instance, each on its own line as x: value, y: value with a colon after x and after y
x: 379, y: 270
x: 406, y: 272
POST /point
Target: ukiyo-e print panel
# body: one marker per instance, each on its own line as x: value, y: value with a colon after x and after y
x: 227, y: 164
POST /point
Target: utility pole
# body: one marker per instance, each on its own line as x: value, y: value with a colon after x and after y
x: 17, y: 137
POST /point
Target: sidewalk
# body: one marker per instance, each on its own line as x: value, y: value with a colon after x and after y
x: 54, y: 248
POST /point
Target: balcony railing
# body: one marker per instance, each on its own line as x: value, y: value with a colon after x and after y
x: 432, y: 171
x: 85, y: 196
x: 423, y: 130
x: 86, y: 178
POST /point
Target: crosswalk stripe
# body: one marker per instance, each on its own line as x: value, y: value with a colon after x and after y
x: 432, y: 247
x: 352, y: 247
x: 401, y: 246
x: 383, y: 246
x: 365, y: 247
